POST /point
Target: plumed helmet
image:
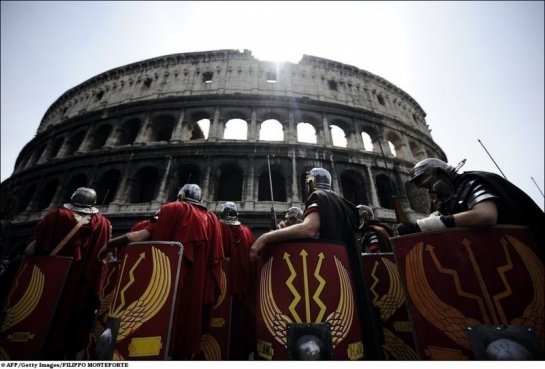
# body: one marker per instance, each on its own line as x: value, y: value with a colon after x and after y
x: 191, y: 193
x: 427, y: 169
x: 229, y: 213
x: 293, y: 216
x: 318, y: 178
x: 83, y: 200
x: 364, y: 209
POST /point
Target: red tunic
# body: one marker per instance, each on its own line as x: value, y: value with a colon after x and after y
x: 199, y: 286
x: 75, y: 313
x: 237, y: 240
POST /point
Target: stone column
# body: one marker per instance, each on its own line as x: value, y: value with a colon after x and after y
x: 122, y: 195
x: 162, y: 194
x: 291, y: 135
x: 142, y: 136
x: 213, y: 131
x: 294, y: 187
x: 253, y: 131
x: 326, y: 131
x: 374, y: 196
x: 177, y: 135
x: 113, y: 139
x: 250, y: 193
x: 87, y: 140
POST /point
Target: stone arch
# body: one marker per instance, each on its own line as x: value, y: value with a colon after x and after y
x: 144, y: 185
x: 185, y: 173
x: 47, y: 194
x: 38, y: 153
x: 100, y: 136
x: 236, y: 129
x: 271, y: 130
x: 385, y: 191
x: 161, y: 128
x: 418, y: 198
x: 55, y: 147
x: 229, y: 183
x: 129, y: 131
x: 107, y: 185
x: 309, y: 118
x: 396, y: 145
x: 77, y: 181
x: 417, y: 151
x: 278, y: 184
x: 338, y: 136
x: 306, y: 132
x: 354, y: 187
x: 74, y: 143
x: 25, y: 198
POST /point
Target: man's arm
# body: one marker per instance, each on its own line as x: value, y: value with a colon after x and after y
x: 121, y: 241
x: 309, y: 228
x: 484, y: 214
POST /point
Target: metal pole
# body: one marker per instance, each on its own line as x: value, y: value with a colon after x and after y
x: 492, y: 158
x: 273, y: 213
x: 537, y: 187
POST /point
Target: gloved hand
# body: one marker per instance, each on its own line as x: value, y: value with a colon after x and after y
x: 408, y: 228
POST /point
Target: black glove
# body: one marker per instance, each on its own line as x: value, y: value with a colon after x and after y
x: 408, y: 228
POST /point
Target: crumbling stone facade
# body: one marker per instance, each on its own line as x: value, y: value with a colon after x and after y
x: 137, y: 133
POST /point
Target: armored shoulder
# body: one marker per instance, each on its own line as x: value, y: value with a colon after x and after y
x: 475, y: 191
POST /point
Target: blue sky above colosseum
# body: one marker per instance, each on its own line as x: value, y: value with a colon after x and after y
x: 476, y: 68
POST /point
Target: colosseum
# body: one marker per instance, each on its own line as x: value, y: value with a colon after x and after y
x: 137, y: 133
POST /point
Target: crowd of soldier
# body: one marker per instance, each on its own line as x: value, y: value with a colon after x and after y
x: 78, y: 230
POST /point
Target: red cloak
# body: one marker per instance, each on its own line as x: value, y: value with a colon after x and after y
x: 199, y: 286
x: 75, y: 313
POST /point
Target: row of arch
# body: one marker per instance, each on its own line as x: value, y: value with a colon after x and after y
x: 172, y: 128
x: 226, y: 182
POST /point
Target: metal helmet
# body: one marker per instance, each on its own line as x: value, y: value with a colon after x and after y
x: 83, y: 200
x: 229, y: 213
x: 318, y: 178
x: 426, y: 170
x: 365, y: 210
x: 293, y: 216
x: 191, y: 193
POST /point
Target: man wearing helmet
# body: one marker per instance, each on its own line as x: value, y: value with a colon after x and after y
x: 189, y: 222
x: 76, y: 230
x: 327, y: 215
x: 372, y: 235
x: 472, y: 199
x: 294, y: 215
x: 237, y: 240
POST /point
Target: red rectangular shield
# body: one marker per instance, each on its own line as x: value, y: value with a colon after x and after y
x: 215, y: 342
x: 30, y: 306
x: 464, y: 277
x: 144, y: 299
x: 304, y: 282
x: 386, y: 291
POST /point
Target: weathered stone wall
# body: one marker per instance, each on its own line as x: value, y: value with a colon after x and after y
x: 133, y: 133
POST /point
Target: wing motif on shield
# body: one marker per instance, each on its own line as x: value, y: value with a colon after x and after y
x: 151, y: 301
x: 276, y: 322
x: 393, y: 299
x: 533, y: 314
x: 28, y: 301
x: 341, y: 318
x: 443, y: 316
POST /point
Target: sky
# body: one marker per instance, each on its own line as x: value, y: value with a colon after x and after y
x: 476, y: 68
